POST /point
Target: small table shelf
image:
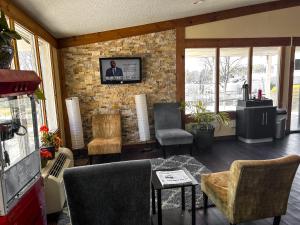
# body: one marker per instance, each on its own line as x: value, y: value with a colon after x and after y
x: 158, y: 187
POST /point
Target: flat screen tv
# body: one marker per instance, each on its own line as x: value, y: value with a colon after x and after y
x: 120, y: 70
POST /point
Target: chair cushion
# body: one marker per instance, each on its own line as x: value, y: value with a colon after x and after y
x: 173, y: 137
x: 215, y: 186
x: 99, y: 146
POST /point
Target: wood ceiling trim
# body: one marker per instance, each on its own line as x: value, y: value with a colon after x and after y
x: 115, y: 34
x: 237, y: 42
x: 172, y: 24
x: 25, y: 20
x: 296, y: 41
x: 237, y: 12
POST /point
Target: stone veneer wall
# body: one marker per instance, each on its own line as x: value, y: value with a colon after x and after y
x: 81, y: 67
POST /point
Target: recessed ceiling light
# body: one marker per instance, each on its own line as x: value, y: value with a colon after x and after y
x: 198, y: 2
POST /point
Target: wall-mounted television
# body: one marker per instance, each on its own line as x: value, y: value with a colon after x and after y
x: 120, y: 70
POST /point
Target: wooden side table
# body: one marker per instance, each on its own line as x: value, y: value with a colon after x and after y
x: 158, y: 187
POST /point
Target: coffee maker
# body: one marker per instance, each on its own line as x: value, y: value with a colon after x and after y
x: 245, y: 91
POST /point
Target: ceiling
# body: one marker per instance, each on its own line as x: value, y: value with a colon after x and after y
x: 65, y: 18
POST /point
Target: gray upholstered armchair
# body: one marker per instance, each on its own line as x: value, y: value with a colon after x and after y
x: 107, y: 194
x: 168, y: 127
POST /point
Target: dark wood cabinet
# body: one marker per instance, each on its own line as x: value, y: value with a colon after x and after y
x: 256, y: 123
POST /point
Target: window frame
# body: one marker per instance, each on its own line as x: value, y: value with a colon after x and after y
x: 37, y: 40
x: 249, y: 43
x: 218, y: 84
x: 281, y: 58
x: 215, y: 56
x: 12, y: 23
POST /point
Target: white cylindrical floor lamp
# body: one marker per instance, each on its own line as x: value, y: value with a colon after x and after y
x: 142, y: 117
x: 75, y: 122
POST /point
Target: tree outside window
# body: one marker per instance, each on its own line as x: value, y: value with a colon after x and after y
x: 233, y: 73
x: 200, y: 77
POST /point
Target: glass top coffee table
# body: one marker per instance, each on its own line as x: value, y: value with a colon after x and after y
x: 158, y: 187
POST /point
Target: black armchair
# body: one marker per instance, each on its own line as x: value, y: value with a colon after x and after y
x: 109, y: 194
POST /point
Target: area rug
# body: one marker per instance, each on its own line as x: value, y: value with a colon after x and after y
x: 171, y: 198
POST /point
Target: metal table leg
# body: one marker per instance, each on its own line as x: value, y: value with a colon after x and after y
x: 193, y: 205
x: 182, y: 198
x: 153, y: 200
x: 159, y: 213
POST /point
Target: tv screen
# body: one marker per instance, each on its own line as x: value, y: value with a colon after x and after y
x: 120, y: 70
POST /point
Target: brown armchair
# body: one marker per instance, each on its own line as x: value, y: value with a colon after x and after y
x: 107, y: 135
x: 252, y: 189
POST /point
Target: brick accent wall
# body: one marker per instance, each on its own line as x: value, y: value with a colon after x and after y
x: 81, y: 68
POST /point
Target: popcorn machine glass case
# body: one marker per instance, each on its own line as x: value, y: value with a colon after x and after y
x: 19, y: 155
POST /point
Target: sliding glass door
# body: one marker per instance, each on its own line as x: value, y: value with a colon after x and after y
x: 295, y: 111
x: 265, y: 75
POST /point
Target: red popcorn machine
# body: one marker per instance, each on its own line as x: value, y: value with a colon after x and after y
x: 21, y: 188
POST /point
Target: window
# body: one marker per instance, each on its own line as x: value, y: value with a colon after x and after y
x: 265, y: 72
x: 46, y: 67
x: 200, y: 76
x: 295, y: 114
x: 26, y: 49
x: 233, y: 73
x: 12, y: 65
x: 34, y: 53
x: 27, y: 60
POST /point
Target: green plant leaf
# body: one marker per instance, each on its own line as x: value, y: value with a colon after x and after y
x: 39, y: 94
x: 7, y: 34
x: 6, y: 38
x: 2, y: 39
x: 12, y: 34
x: 205, y: 118
x: 182, y: 105
x: 3, y: 22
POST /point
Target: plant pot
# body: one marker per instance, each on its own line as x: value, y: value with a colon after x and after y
x: 6, y: 56
x: 203, y: 137
x: 44, y: 162
x: 50, y: 149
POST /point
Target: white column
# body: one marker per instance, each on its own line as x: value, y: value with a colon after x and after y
x: 142, y: 117
x: 75, y: 122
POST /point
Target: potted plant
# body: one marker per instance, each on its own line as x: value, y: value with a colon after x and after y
x: 6, y: 48
x: 205, y: 122
x: 50, y: 141
x: 45, y: 156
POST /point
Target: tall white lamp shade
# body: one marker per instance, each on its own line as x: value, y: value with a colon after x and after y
x: 142, y: 117
x: 75, y: 122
